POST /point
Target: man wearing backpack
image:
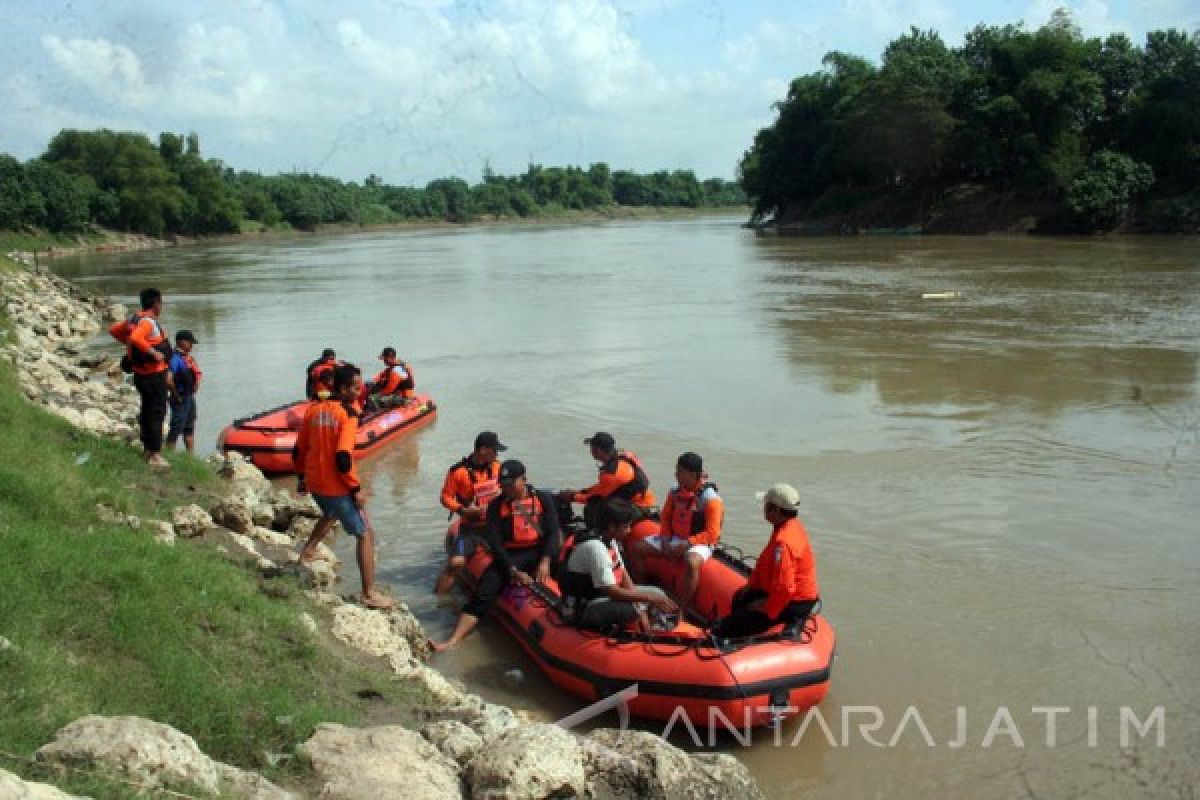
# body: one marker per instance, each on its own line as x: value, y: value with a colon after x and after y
x: 147, y: 353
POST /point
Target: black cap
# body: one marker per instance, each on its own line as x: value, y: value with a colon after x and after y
x: 691, y: 462
x: 328, y: 353
x: 489, y: 439
x: 602, y: 441
x: 185, y: 336
x: 511, y: 470
x: 388, y: 352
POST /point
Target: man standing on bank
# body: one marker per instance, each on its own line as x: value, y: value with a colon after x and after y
x: 147, y: 352
x: 523, y: 535
x: 783, y: 586
x: 324, y: 454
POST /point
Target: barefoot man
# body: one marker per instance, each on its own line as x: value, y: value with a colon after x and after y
x: 324, y: 455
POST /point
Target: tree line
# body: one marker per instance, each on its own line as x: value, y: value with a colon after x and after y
x: 125, y: 181
x: 1106, y: 132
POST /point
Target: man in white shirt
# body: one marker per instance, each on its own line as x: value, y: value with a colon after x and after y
x: 596, y: 584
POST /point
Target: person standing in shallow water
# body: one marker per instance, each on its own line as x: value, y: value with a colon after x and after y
x: 324, y: 456
x: 147, y: 353
x: 185, y: 382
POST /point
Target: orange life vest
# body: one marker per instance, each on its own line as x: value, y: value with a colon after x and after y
x: 632, y: 490
x: 522, y: 521
x: 687, y: 512
x: 141, y: 361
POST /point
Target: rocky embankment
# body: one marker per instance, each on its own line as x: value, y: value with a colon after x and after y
x: 460, y: 747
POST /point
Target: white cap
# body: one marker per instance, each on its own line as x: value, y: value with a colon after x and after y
x: 782, y: 495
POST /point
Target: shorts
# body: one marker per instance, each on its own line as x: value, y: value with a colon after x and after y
x: 341, y: 507
x: 463, y: 544
x: 183, y: 418
x: 656, y: 541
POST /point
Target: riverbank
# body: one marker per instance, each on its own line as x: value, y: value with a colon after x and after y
x: 954, y: 210
x: 37, y: 246
x: 157, y: 631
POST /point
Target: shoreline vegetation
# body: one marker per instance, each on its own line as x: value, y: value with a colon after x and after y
x: 1038, y: 131
x: 158, y: 636
x: 41, y: 244
x: 123, y: 181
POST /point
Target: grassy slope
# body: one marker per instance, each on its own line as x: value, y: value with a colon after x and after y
x: 104, y: 620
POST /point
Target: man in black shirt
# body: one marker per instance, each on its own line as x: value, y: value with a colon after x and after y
x: 523, y: 535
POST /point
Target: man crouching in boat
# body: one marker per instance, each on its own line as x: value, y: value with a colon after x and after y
x: 393, y: 386
x: 598, y: 591
x: 523, y: 535
x: 783, y: 586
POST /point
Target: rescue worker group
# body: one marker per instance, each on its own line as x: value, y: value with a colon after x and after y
x: 494, y: 505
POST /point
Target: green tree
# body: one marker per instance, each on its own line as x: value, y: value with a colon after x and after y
x: 1102, y: 196
x: 66, y: 199
x: 20, y: 204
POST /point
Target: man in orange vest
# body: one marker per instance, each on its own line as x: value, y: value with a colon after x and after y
x: 394, y: 385
x: 319, y: 374
x: 690, y: 525
x: 523, y: 536
x: 324, y: 455
x: 621, y: 475
x: 470, y: 485
x: 783, y: 586
x: 147, y: 354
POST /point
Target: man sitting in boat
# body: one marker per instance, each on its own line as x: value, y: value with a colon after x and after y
x: 320, y: 374
x: 523, y: 535
x: 783, y: 586
x: 470, y: 486
x: 621, y: 475
x: 393, y: 386
x: 598, y: 591
x: 690, y: 526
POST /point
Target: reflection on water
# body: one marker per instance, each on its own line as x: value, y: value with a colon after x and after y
x: 1001, y: 488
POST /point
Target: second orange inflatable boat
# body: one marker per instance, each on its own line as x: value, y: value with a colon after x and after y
x: 750, y: 682
x: 267, y: 438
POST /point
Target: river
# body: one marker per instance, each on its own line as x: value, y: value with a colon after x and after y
x: 1002, y: 488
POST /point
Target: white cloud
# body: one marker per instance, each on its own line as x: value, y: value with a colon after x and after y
x: 112, y: 71
x: 417, y: 89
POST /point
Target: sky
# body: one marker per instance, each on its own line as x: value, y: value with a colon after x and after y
x: 415, y: 90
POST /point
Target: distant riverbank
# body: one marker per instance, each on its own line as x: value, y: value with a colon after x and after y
x: 38, y: 245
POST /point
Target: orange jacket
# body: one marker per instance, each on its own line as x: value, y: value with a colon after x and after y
x: 615, y: 475
x: 143, y: 335
x: 468, y: 483
x: 394, y: 379
x: 786, y: 570
x: 324, y: 451
x: 681, y: 518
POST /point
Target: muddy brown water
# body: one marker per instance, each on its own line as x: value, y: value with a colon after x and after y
x: 1002, y: 487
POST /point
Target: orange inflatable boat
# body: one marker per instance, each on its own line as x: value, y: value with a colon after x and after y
x: 749, y: 682
x: 267, y: 438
